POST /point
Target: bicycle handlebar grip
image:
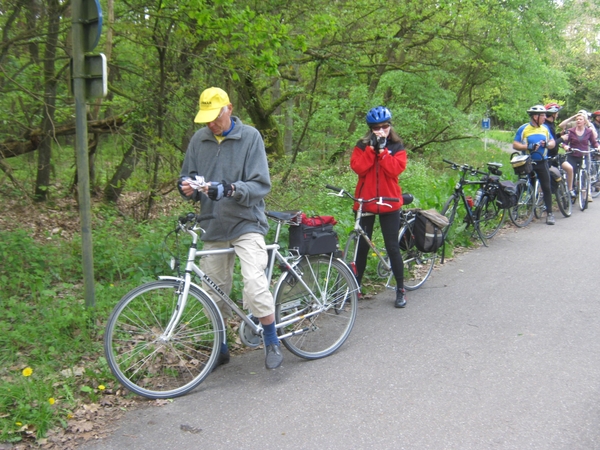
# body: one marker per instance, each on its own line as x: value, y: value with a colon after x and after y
x: 448, y: 162
x: 333, y: 188
x: 389, y: 199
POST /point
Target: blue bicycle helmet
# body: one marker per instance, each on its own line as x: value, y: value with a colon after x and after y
x: 378, y: 114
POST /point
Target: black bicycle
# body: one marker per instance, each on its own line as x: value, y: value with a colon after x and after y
x: 483, y: 213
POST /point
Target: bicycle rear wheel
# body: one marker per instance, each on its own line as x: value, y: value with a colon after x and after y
x: 417, y: 264
x: 153, y: 365
x: 490, y: 215
x: 563, y: 198
x: 319, y: 328
x: 583, y: 190
x: 522, y: 213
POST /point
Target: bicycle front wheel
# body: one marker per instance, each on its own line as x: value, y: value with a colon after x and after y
x: 540, y: 206
x: 522, y: 213
x: 583, y: 190
x: 450, y: 210
x: 491, y: 217
x: 150, y: 363
x: 417, y: 264
x: 563, y: 198
x: 320, y: 325
x: 350, y: 251
x: 595, y: 178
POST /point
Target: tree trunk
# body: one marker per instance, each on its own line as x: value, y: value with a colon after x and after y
x: 264, y: 121
x: 45, y: 149
x: 113, y: 190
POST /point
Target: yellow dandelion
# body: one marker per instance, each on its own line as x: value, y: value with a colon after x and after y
x: 51, y: 401
x: 69, y: 416
x: 27, y: 371
x: 101, y: 387
x: 18, y: 424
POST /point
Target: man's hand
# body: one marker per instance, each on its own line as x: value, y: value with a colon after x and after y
x: 216, y: 191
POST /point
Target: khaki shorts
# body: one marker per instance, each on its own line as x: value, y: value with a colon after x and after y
x: 250, y: 248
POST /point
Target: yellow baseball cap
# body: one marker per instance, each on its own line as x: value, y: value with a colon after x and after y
x: 211, y: 102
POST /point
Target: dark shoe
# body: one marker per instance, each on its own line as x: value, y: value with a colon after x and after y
x: 223, y: 358
x: 550, y: 219
x: 274, y: 357
x: 400, y: 299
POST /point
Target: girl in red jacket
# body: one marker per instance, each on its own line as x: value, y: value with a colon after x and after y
x: 378, y: 159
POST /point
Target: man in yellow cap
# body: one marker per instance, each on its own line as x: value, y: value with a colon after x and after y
x: 227, y: 150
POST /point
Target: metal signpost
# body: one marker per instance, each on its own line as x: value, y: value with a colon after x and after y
x: 485, y: 124
x: 88, y: 81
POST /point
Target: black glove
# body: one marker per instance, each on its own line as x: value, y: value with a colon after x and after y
x: 373, y: 141
x: 381, y: 141
x: 532, y: 147
x: 216, y: 190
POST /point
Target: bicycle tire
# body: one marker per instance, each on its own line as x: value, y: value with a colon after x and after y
x: 147, y: 364
x: 350, y: 251
x: 539, y: 206
x: 583, y: 190
x: 595, y: 178
x: 563, y: 198
x: 521, y: 214
x: 491, y: 217
x: 417, y: 264
x: 318, y: 335
x: 450, y: 210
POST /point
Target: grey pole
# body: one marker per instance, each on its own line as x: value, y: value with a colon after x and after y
x: 81, y: 146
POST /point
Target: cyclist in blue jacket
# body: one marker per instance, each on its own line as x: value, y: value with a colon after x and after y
x: 536, y: 139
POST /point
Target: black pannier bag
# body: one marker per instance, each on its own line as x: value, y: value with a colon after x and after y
x: 428, y: 230
x: 313, y: 236
x: 506, y: 195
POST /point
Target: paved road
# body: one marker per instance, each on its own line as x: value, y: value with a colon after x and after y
x: 499, y: 350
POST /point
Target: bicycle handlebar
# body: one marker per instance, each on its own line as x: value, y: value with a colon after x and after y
x: 464, y: 168
x: 380, y: 200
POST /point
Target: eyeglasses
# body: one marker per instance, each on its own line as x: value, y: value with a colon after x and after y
x: 223, y: 109
x: 383, y: 126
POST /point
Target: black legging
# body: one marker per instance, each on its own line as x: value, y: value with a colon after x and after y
x: 390, y: 225
x: 541, y: 170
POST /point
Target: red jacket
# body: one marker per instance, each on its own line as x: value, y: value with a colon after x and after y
x: 378, y: 175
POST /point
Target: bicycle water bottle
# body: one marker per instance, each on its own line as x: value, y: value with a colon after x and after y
x: 478, y: 196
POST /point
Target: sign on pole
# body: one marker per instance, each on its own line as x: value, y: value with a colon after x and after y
x: 485, y: 124
x: 86, y: 27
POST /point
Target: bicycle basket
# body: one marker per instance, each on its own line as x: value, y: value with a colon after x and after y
x: 521, y: 164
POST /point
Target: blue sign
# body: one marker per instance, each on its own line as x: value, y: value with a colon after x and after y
x: 485, y: 123
x: 91, y: 18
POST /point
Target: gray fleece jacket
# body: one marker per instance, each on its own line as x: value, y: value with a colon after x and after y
x: 239, y: 159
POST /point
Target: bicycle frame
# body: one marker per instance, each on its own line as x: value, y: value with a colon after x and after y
x: 362, y: 234
x: 191, y: 267
x: 358, y: 229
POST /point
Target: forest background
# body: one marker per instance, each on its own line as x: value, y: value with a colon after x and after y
x: 303, y: 73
